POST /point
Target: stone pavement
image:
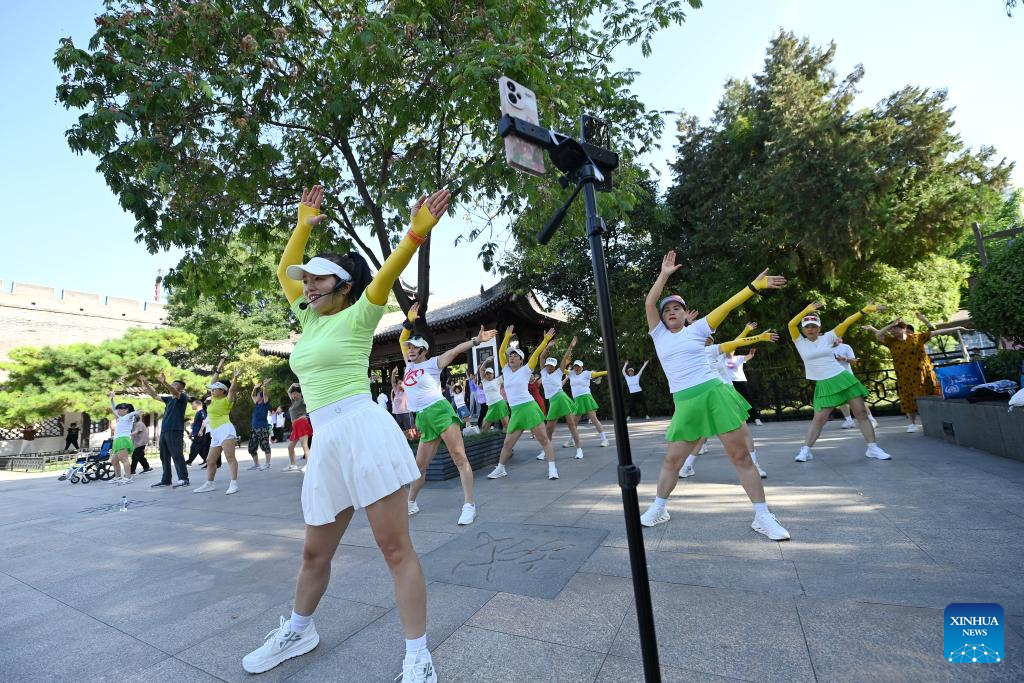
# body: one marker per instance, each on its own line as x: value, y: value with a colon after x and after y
x: 181, y: 586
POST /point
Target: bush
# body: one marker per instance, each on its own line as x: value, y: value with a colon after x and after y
x: 1004, y: 364
x: 995, y: 302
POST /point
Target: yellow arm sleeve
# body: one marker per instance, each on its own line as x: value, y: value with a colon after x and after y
x: 747, y: 329
x: 728, y: 347
x: 841, y: 328
x: 503, y: 349
x: 403, y: 338
x: 599, y: 373
x: 794, y: 324
x: 716, y: 316
x: 377, y: 291
x: 293, y: 253
x: 535, y: 358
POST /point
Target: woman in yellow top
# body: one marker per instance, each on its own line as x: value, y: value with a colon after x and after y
x: 526, y: 414
x: 362, y: 459
x: 223, y: 436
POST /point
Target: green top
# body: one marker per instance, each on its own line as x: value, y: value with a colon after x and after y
x: 219, y: 412
x: 332, y: 359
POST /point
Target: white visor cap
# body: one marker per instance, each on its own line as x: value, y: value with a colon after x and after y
x: 217, y: 385
x: 318, y: 266
x: 516, y: 350
x: 553, y: 362
x: 810, y: 320
x: 577, y: 364
x: 418, y: 342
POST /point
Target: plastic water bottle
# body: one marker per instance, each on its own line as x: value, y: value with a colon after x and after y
x: 124, y: 503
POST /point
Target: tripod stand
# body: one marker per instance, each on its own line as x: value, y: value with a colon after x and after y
x: 586, y: 166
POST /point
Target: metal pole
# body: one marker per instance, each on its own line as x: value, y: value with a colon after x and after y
x: 629, y: 474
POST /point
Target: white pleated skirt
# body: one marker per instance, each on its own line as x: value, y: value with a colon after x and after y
x: 359, y: 456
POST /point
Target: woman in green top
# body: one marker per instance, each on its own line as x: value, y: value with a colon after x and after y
x: 223, y: 436
x: 362, y: 459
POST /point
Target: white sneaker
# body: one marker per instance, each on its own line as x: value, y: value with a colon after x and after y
x: 413, y: 508
x: 848, y: 423
x: 911, y: 428
x: 758, y: 422
x: 208, y: 486
x: 302, y: 469
x: 232, y: 488
x: 764, y: 475
x: 264, y: 468
x: 552, y: 471
x: 686, y: 471
x: 579, y: 453
x: 703, y: 449
x: 569, y: 444
x: 127, y: 480
x: 652, y: 517
x: 252, y: 467
x: 468, y: 514
x: 873, y: 421
x: 765, y: 523
x: 628, y: 419
x: 604, y: 442
x: 280, y: 644
x: 542, y: 456
x: 875, y: 451
x: 647, y: 417
x: 498, y: 472
x: 804, y: 455
x: 418, y: 668
x: 291, y: 468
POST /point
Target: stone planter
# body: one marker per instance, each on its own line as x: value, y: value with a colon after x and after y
x: 986, y: 425
x: 482, y: 451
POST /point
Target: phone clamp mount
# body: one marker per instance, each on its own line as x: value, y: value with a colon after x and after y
x: 589, y: 168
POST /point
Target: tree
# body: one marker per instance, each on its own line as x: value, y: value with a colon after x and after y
x: 221, y: 334
x: 1007, y: 214
x: 995, y: 300
x: 50, y: 380
x: 209, y: 117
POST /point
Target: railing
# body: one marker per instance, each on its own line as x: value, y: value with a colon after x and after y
x: 791, y: 397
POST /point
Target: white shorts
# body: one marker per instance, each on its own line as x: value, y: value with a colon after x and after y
x: 359, y: 456
x: 225, y: 432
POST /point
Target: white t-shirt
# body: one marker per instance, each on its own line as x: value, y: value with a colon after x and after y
x: 125, y: 424
x: 633, y: 382
x: 579, y: 383
x: 382, y: 400
x: 422, y: 384
x: 517, y: 385
x: 716, y: 361
x: 819, y: 356
x: 459, y: 397
x: 683, y: 355
x: 552, y: 381
x: 732, y: 368
x: 492, y: 389
x: 845, y: 351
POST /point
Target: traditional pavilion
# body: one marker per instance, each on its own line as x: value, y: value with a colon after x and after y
x: 448, y: 325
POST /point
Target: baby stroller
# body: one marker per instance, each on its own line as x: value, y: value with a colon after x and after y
x: 95, y: 466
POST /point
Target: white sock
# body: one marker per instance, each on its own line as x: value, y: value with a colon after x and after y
x: 233, y: 482
x: 551, y: 465
x: 601, y: 434
x: 299, y: 622
x: 690, y: 459
x: 872, y: 443
x: 759, y: 508
x: 416, y: 645
x: 753, y: 456
x: 659, y: 503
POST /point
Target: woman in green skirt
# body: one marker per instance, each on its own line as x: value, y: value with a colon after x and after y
x: 526, y: 414
x: 834, y: 385
x: 584, y: 403
x: 552, y: 376
x: 436, y: 420
x: 497, y: 406
x: 704, y: 405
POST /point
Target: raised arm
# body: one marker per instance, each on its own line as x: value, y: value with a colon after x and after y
x: 567, y: 358
x: 112, y: 404
x: 840, y: 329
x: 794, y: 324
x: 767, y: 336
x: 747, y: 329
x: 598, y: 374
x: 641, y: 370
x: 233, y: 389
x: 217, y: 371
x: 541, y: 348
x: 149, y: 388
x: 668, y: 267
x: 171, y: 389
x: 425, y: 215
x: 503, y: 349
x: 446, y: 358
x: 761, y: 282
x: 309, y: 217
x: 408, y: 326
x: 624, y: 366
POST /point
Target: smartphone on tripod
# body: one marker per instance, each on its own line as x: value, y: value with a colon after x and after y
x: 519, y: 101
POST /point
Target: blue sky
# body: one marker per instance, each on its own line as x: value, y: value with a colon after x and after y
x: 62, y: 226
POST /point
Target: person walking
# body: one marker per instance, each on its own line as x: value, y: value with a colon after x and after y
x: 172, y: 430
x: 705, y: 406
x: 833, y: 384
x: 125, y: 417
x: 260, y: 437
x: 637, y: 400
x: 362, y: 458
x: 302, y: 428
x: 223, y: 436
x: 140, y: 439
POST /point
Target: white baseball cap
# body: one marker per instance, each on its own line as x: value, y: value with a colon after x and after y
x: 217, y: 385
x: 516, y: 350
x: 318, y: 266
x: 577, y: 363
x: 419, y: 342
x: 810, y: 320
x: 551, y: 361
x: 489, y: 369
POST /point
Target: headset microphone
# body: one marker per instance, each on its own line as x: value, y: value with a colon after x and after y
x: 337, y: 288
